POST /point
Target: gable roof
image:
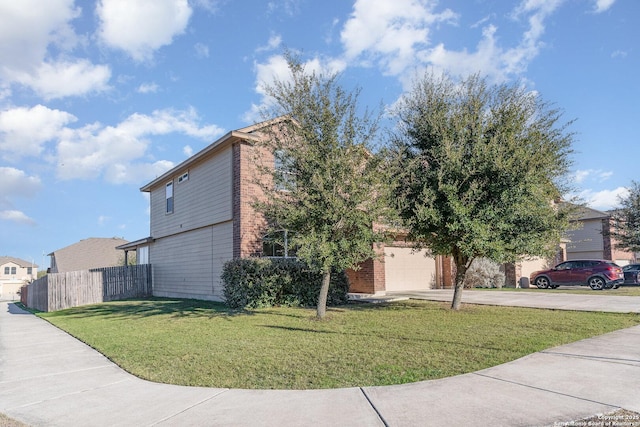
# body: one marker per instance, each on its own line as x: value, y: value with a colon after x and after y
x: 584, y: 213
x: 18, y: 261
x: 94, y: 252
x: 249, y: 133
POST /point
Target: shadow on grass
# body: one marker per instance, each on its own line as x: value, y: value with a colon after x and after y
x: 190, y: 308
x: 152, y: 307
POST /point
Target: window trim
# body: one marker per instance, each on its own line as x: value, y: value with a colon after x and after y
x: 169, y: 198
x: 285, y: 247
x: 285, y: 178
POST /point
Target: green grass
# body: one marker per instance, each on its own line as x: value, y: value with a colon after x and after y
x: 623, y: 291
x: 201, y: 343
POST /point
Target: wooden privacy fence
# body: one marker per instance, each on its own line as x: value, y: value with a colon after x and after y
x: 57, y: 291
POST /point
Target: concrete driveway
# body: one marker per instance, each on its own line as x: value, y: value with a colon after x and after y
x: 598, y: 301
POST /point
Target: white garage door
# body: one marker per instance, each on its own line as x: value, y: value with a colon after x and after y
x: 406, y: 270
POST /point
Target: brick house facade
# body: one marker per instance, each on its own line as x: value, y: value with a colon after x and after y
x: 202, y: 215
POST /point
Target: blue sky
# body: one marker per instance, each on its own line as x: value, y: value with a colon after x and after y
x: 97, y: 98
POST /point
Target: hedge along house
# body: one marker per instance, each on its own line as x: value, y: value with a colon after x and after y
x: 202, y: 215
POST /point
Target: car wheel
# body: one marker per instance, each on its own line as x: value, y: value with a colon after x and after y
x: 597, y: 283
x: 541, y: 282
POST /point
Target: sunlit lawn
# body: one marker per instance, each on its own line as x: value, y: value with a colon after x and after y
x: 205, y: 344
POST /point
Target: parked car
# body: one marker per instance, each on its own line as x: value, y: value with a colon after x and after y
x: 631, y: 274
x: 596, y: 273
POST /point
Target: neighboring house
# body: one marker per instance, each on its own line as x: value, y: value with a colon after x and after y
x: 202, y: 215
x: 95, y: 252
x: 14, y: 273
x: 588, y: 238
x: 591, y: 239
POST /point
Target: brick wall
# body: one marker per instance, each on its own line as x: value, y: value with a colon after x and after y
x: 370, y: 278
x: 248, y: 225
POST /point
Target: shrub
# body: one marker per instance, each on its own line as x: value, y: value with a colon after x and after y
x: 484, y: 273
x: 267, y: 282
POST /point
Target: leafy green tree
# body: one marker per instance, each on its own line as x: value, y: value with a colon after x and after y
x: 479, y: 167
x: 626, y: 220
x: 327, y: 188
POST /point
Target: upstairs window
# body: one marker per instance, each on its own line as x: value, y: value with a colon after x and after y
x: 13, y: 270
x: 7, y: 270
x: 284, y: 176
x: 29, y: 270
x: 169, y: 197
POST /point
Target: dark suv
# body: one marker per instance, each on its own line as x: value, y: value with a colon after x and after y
x: 597, y: 273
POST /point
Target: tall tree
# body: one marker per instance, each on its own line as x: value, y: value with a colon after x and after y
x: 479, y: 168
x: 326, y: 187
x: 626, y: 220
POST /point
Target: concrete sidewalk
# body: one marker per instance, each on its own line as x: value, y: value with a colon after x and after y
x: 48, y: 378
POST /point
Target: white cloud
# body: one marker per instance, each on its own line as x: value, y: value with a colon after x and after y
x: 486, y: 59
x: 603, y: 5
x: 136, y: 172
x: 103, y: 219
x: 274, y: 42
x: 24, y: 131
x: 390, y: 33
x: 210, y: 6
x: 15, y: 182
x: 289, y: 7
x: 395, y: 37
x: 277, y: 69
x: 118, y: 152
x: 142, y: 27
x: 65, y: 78
x: 147, y: 88
x: 619, y: 54
x: 202, y: 50
x: 187, y: 150
x: 605, y: 199
x: 592, y: 175
x: 28, y: 28
x: 16, y: 216
x: 517, y: 59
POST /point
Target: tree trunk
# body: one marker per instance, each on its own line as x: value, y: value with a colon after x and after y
x: 462, y: 264
x: 324, y: 292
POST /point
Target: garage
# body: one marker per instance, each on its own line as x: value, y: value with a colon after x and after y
x: 9, y: 290
x: 408, y: 270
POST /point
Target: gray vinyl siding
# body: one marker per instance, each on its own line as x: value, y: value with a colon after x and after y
x: 204, y: 199
x: 587, y: 241
x: 188, y: 265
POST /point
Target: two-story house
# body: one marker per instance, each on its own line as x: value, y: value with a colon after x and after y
x: 202, y: 215
x: 14, y: 273
x: 590, y: 238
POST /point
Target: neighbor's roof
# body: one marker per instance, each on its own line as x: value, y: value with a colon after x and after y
x: 249, y: 133
x: 18, y: 261
x: 584, y: 213
x: 94, y: 252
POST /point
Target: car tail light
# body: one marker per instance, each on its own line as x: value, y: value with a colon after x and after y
x: 614, y: 271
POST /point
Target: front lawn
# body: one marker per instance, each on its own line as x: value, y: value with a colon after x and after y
x: 201, y: 343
